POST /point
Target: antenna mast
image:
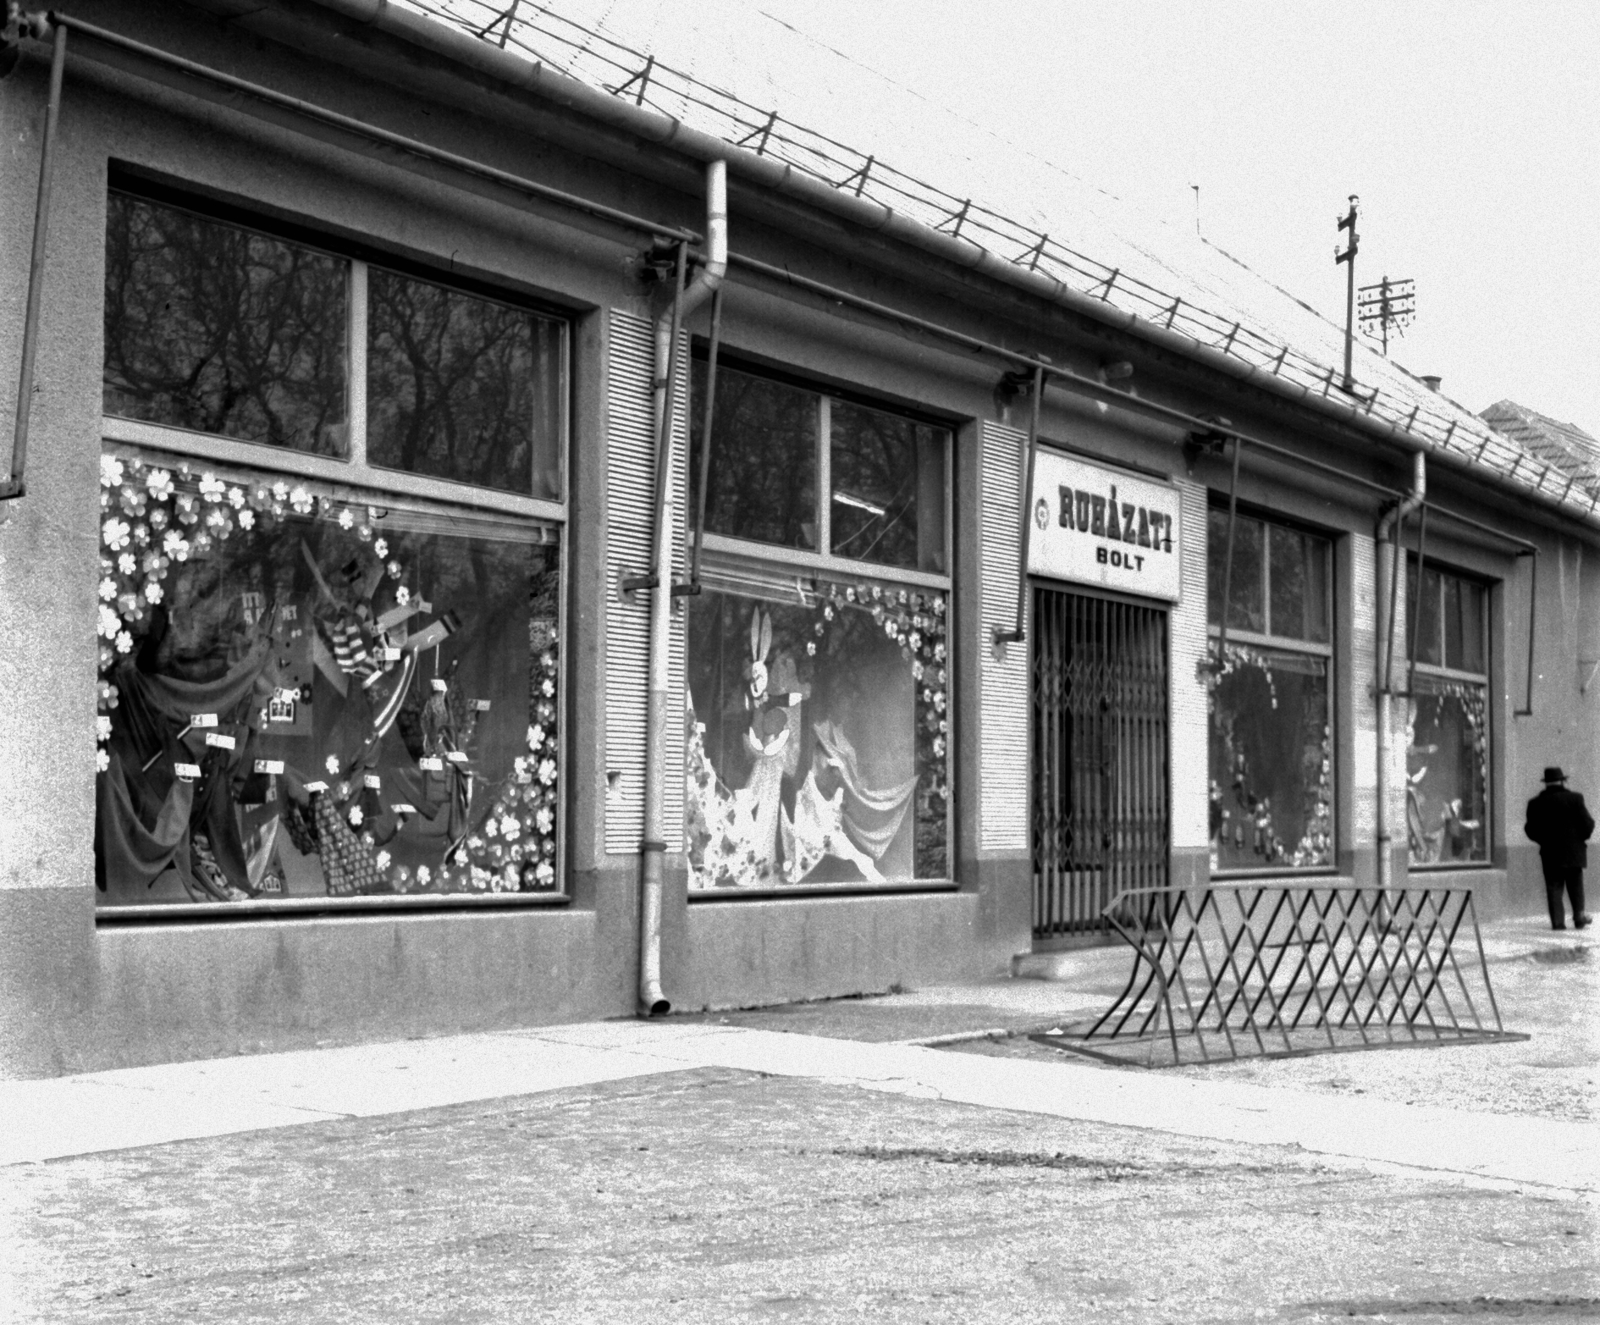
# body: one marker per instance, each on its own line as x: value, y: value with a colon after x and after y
x: 1348, y: 222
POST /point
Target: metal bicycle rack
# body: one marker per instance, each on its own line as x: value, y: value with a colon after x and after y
x: 1277, y: 971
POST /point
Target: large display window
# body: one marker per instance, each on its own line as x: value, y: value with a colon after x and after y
x: 817, y: 718
x: 1447, y: 747
x: 329, y: 615
x: 1271, y: 744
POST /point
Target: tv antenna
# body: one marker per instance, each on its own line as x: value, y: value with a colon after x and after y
x: 1384, y: 305
x: 1348, y: 222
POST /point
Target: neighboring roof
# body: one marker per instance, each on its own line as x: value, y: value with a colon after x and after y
x: 1562, y: 444
x: 729, y: 70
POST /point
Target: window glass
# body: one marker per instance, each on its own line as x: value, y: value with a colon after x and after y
x: 1425, y: 618
x: 462, y: 388
x: 816, y: 738
x: 304, y: 696
x: 223, y: 330
x: 1271, y: 760
x: 763, y: 479
x: 887, y: 488
x: 1447, y: 772
x: 1297, y: 567
x: 1463, y: 625
x: 1247, y: 590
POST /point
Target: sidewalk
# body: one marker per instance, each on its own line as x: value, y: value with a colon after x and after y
x: 1516, y: 1112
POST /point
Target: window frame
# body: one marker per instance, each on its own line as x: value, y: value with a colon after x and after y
x: 1443, y: 672
x: 355, y: 476
x: 1284, y: 644
x: 750, y: 568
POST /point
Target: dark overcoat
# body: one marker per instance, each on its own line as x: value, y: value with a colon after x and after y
x: 1560, y: 823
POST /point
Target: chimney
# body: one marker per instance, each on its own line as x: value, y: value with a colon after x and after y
x: 1432, y: 383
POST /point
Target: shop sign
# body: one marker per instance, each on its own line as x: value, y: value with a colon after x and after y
x: 1093, y: 525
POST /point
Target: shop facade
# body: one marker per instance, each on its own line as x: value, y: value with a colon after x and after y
x: 332, y: 579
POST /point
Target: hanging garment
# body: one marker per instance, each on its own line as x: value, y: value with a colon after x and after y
x: 129, y: 852
x: 349, y: 865
x: 870, y: 816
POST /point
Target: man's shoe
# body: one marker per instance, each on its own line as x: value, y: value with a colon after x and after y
x: 1558, y: 928
x: 1581, y: 922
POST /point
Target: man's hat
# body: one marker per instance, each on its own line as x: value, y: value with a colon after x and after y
x: 1554, y: 774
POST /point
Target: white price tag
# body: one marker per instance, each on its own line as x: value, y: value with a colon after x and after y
x: 431, y: 764
x: 403, y: 808
x: 187, y: 772
x: 372, y: 780
x: 269, y: 766
x: 202, y: 719
x: 315, y: 787
x: 440, y: 684
x: 218, y: 739
x: 389, y: 655
x: 482, y: 705
x: 456, y: 756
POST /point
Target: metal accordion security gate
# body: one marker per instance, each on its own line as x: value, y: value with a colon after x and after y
x: 1099, y: 757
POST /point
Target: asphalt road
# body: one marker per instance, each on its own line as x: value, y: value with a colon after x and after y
x: 712, y: 1195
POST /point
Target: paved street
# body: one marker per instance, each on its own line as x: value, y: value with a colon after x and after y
x: 807, y: 1164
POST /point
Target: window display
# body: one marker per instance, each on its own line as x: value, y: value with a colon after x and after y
x: 308, y: 692
x: 1447, y: 750
x: 817, y: 729
x: 1271, y: 722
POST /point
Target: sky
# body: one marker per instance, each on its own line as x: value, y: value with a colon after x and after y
x: 1469, y: 130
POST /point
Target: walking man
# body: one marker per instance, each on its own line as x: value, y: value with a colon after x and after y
x: 1560, y: 824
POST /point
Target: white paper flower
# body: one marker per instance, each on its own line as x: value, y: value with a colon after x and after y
x: 102, y: 759
x: 402, y: 595
x: 110, y: 622
x: 115, y: 533
x: 535, y: 737
x: 159, y: 484
x: 342, y: 791
x: 346, y: 520
x: 152, y: 591
x: 938, y: 746
x: 280, y: 491
x: 382, y: 859
x: 247, y: 519
x: 236, y: 498
x: 424, y: 874
x: 108, y: 588
x: 491, y: 828
x: 395, y: 570
x: 124, y: 642
x: 543, y: 820
x: 331, y: 763
x: 545, y: 873
x: 175, y: 545
x: 212, y: 487
x: 302, y: 501
x: 547, y: 771
x: 510, y: 829
x: 158, y: 518
x: 355, y: 816
x: 102, y: 728
x: 110, y: 471
x: 380, y: 549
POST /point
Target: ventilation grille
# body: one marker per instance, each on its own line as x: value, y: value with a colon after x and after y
x: 1191, y: 723
x: 1003, y: 738
x: 630, y: 492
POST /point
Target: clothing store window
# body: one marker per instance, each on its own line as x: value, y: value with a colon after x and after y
x: 1447, y: 746
x: 330, y: 578
x: 1271, y: 761
x: 817, y: 719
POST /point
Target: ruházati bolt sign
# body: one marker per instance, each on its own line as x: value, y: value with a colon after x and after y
x: 1093, y: 525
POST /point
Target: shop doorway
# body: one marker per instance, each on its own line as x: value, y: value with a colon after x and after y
x: 1099, y: 756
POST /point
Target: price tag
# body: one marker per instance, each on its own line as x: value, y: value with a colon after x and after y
x: 372, y: 780
x: 202, y: 719
x: 482, y: 705
x: 286, y: 695
x: 431, y: 764
x: 218, y: 739
x: 403, y: 808
x: 457, y: 756
x: 187, y: 772
x: 440, y: 684
x: 389, y: 655
x: 269, y: 766
x: 314, y: 787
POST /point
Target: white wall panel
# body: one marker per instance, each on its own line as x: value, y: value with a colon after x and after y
x: 1003, y: 753
x: 1189, y: 714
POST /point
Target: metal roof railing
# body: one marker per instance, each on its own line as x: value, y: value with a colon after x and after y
x: 535, y: 30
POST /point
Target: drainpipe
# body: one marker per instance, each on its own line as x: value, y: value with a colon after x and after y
x: 652, y: 1001
x: 1390, y: 572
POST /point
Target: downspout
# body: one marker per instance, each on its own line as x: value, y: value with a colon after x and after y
x: 1389, y: 575
x: 652, y: 1001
